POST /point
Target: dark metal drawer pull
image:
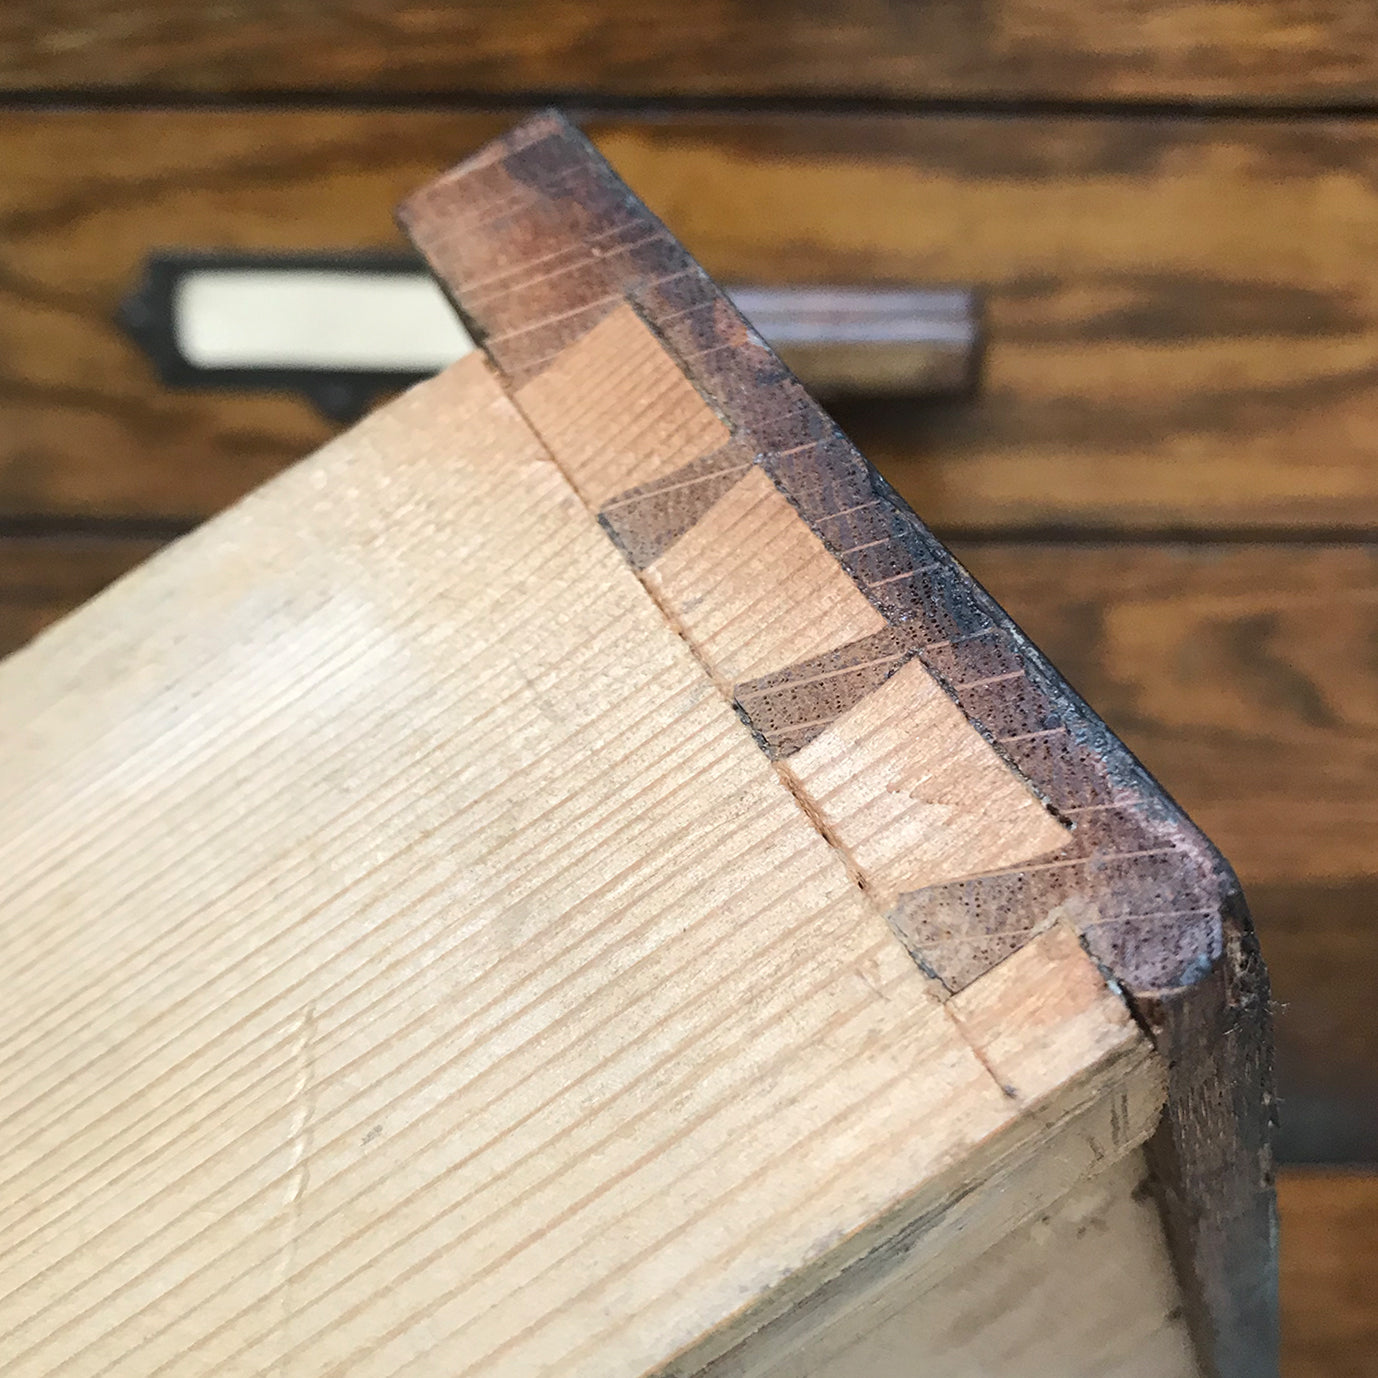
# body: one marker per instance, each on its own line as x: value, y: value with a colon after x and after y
x: 343, y: 328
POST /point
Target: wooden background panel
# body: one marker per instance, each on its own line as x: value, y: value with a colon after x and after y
x: 1245, y: 678
x: 1183, y: 333
x: 1183, y: 326
x: 89, y: 430
x: 43, y: 578
x: 1183, y: 314
x: 1283, y: 50
x: 1329, y: 1260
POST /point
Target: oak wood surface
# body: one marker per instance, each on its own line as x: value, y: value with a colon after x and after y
x: 1279, y: 439
x: 1329, y: 1260
x: 1182, y: 313
x: 1277, y: 50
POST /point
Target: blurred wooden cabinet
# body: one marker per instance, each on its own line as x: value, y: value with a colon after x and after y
x: 1168, y: 473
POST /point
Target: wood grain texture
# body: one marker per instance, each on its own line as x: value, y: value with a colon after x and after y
x: 89, y: 429
x: 992, y: 1317
x: 774, y: 593
x: 1032, y: 992
x: 1276, y: 50
x: 616, y: 409
x: 1329, y: 1260
x: 1138, y: 375
x: 1207, y: 660
x: 1231, y: 670
x: 1232, y: 673
x: 915, y: 795
x: 1154, y: 903
x: 1077, y: 1014
x: 902, y: 784
x: 1275, y: 759
x: 44, y: 579
x: 470, y: 993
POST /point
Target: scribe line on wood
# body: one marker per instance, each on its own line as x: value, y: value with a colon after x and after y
x: 748, y: 583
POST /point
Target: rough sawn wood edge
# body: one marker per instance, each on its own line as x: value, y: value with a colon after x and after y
x: 537, y: 240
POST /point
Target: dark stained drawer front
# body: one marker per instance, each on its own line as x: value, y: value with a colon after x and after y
x: 1183, y: 316
x: 1329, y: 1230
x: 1063, y: 49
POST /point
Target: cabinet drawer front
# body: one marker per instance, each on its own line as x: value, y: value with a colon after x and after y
x: 1229, y: 49
x: 1183, y: 318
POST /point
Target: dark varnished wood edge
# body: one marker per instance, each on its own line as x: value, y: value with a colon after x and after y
x: 537, y: 240
x: 1259, y: 57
